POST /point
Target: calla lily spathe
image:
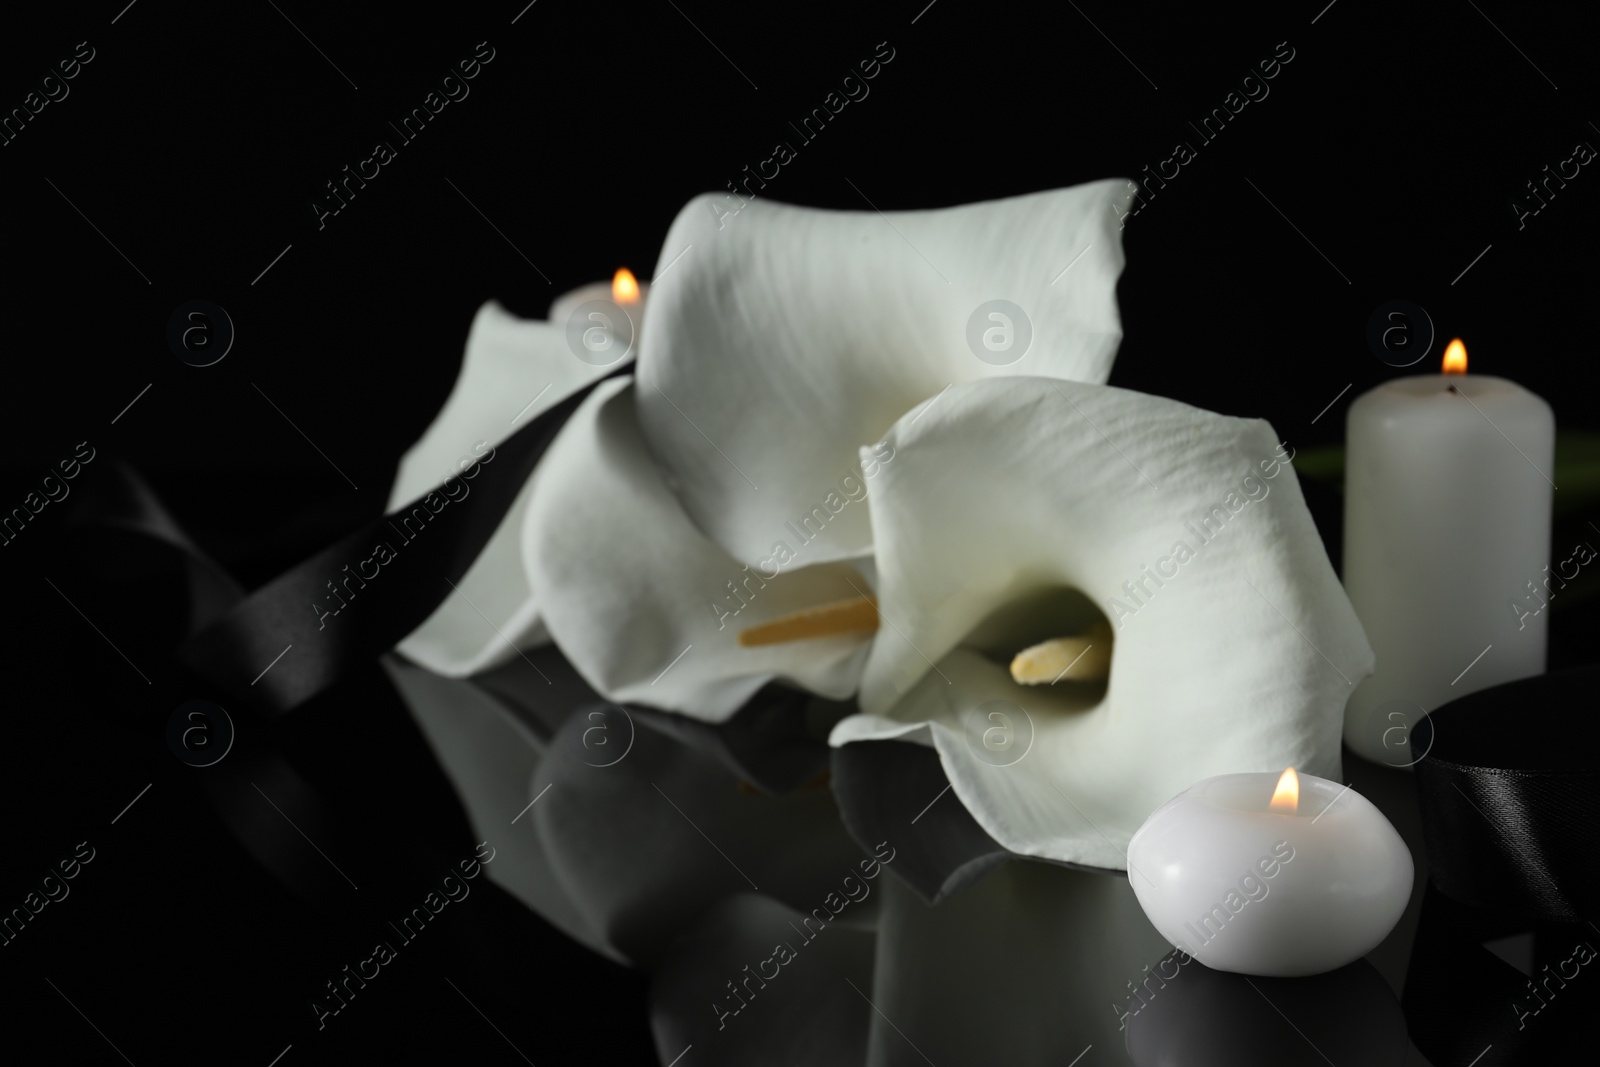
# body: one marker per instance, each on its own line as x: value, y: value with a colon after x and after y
x: 512, y: 370
x: 1235, y: 646
x: 786, y: 339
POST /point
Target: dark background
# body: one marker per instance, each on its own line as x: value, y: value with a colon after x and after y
x: 195, y: 142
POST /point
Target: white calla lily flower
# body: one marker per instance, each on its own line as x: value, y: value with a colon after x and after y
x: 1019, y: 510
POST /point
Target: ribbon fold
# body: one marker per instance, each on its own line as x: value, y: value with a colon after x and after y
x: 1509, y: 800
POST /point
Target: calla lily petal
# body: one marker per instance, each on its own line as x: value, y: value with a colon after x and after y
x: 785, y: 338
x: 513, y: 370
x: 489, y: 616
x: 646, y: 607
x: 1235, y: 652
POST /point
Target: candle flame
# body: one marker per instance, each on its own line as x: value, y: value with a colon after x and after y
x: 1455, y: 357
x: 1286, y: 798
x: 625, y: 287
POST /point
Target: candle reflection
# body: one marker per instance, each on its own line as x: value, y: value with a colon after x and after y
x: 1187, y: 1015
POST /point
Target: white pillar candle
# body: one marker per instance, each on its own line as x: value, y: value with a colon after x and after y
x: 1269, y: 874
x: 1446, y: 535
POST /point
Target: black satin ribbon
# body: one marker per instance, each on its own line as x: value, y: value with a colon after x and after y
x: 256, y: 790
x: 1510, y: 799
x: 430, y: 556
x: 125, y: 503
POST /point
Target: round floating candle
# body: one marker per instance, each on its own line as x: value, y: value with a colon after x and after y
x: 1267, y: 874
